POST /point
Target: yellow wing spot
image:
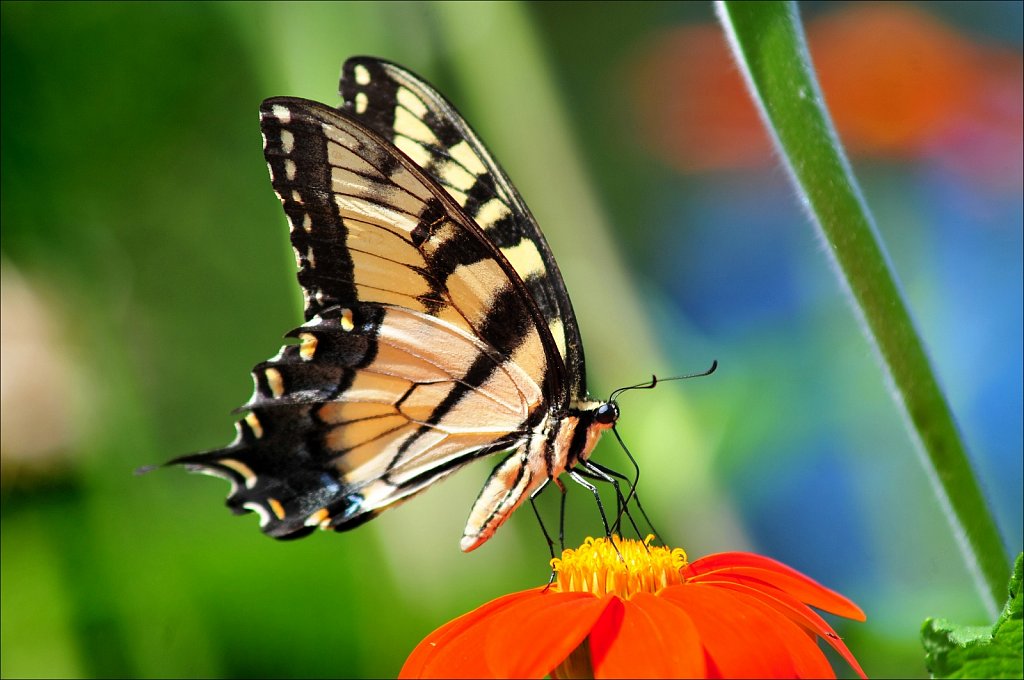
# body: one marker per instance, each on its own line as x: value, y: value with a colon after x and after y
x: 276, y: 506
x: 308, y: 347
x: 410, y: 126
x: 346, y: 320
x: 297, y: 197
x: 319, y: 518
x: 441, y: 235
x: 310, y: 257
x: 410, y: 101
x: 460, y: 197
x: 242, y: 469
x: 463, y: 153
x: 289, y: 169
x: 307, y: 223
x: 414, y: 150
x: 287, y: 141
x: 361, y: 102
x: 525, y: 258
x: 281, y: 113
x: 362, y: 75
x: 457, y: 176
x: 255, y: 425
x: 557, y: 329
x: 491, y: 212
x: 275, y: 381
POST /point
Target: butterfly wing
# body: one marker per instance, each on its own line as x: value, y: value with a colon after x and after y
x: 412, y: 115
x: 422, y: 349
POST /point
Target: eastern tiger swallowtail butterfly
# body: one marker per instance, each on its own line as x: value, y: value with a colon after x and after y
x: 437, y: 326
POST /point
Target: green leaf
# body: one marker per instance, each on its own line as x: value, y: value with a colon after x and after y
x: 954, y: 651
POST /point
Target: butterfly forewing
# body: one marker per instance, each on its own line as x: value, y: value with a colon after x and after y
x: 416, y: 119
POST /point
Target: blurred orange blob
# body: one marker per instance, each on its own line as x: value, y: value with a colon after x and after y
x: 899, y: 85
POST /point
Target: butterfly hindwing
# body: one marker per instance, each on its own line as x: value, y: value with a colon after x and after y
x: 422, y: 347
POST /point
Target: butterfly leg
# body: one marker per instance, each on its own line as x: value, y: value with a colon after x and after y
x: 561, y: 522
x: 632, y: 495
x: 578, y: 478
x: 603, y: 474
x: 561, y: 516
x: 540, y: 521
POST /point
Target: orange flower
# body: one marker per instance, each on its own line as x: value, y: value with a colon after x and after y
x: 647, y: 614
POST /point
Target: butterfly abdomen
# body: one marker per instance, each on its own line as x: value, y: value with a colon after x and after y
x: 559, y: 442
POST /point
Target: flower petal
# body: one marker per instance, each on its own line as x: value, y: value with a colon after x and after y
x: 531, y: 637
x: 779, y: 575
x: 454, y: 648
x: 808, y: 659
x: 740, y: 640
x: 795, y: 610
x: 646, y: 637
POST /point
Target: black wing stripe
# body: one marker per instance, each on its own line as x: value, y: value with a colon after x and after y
x: 303, y: 157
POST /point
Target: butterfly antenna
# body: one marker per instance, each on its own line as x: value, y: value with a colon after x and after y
x: 655, y: 380
x: 636, y: 466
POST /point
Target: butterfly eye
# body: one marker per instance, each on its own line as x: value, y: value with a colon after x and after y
x: 607, y: 414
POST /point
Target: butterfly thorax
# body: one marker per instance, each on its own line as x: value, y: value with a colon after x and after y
x: 586, y: 421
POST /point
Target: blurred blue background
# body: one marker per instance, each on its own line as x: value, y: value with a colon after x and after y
x: 145, y: 269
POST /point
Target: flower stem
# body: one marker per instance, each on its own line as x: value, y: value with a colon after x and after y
x: 767, y: 41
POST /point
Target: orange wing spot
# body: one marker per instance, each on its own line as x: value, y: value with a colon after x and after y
x: 319, y: 518
x: 308, y: 347
x: 255, y: 425
x: 276, y: 506
x: 275, y: 381
x: 346, y: 320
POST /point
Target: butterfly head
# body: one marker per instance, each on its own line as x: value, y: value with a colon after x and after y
x: 607, y: 414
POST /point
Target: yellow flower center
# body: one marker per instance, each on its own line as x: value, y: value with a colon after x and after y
x: 596, y: 567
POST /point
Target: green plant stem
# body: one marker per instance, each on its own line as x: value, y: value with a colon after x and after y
x: 768, y: 42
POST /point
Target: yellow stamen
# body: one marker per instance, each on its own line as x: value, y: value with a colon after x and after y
x: 595, y: 567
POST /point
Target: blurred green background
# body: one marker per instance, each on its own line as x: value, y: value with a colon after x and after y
x: 145, y: 269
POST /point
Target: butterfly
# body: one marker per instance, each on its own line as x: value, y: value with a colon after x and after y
x: 438, y: 329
